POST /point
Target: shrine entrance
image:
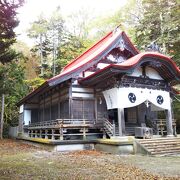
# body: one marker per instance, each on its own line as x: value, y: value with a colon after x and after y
x: 135, y: 107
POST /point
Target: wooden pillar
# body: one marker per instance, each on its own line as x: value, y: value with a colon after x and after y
x: 61, y: 133
x: 84, y: 133
x: 59, y: 101
x: 40, y: 133
x: 95, y: 107
x: 70, y: 102
x: 39, y: 109
x: 46, y: 136
x: 104, y: 134
x: 169, y: 122
x: 52, y: 135
x: 21, y: 120
x: 43, y: 106
x: 29, y: 133
x: 121, y: 121
x: 35, y: 133
x: 50, y: 105
x: 114, y: 128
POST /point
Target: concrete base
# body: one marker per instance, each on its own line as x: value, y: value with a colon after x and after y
x: 73, y: 147
x: 121, y: 145
x: 122, y: 138
x: 115, y: 149
x: 118, y: 145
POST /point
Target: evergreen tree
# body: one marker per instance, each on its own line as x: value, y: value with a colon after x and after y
x: 8, y: 21
x: 160, y: 24
x: 48, y: 35
x: 15, y: 88
x: 71, y: 47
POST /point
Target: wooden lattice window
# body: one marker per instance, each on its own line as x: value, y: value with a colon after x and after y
x: 64, y: 109
x: 88, y: 109
x: 47, y: 113
x: 83, y: 109
x: 34, y: 115
x: 132, y: 115
x: 54, y: 111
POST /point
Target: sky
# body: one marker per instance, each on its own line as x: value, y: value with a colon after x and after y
x: 33, y: 8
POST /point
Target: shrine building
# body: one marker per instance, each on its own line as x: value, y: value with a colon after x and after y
x: 110, y: 90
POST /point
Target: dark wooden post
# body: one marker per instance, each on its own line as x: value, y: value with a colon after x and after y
x: 70, y: 102
x: 51, y: 104
x: 114, y: 128
x: 43, y: 106
x: 59, y: 101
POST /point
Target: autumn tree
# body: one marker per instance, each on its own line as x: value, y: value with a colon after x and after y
x: 8, y: 21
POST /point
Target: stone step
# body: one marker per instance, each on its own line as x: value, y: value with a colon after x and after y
x: 159, y: 142
x: 175, y: 151
x: 162, y: 145
x: 160, y: 138
x: 147, y: 141
x: 163, y: 149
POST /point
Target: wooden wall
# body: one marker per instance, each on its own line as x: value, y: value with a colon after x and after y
x: 54, y: 104
x: 69, y: 102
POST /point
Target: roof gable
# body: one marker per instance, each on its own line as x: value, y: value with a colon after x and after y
x: 161, y: 63
x: 93, y: 55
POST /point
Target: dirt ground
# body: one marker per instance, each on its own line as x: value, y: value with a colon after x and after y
x: 19, y: 161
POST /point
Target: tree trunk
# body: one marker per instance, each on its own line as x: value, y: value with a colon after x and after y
x: 2, y: 116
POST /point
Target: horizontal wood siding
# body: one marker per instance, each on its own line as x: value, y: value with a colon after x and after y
x: 78, y: 91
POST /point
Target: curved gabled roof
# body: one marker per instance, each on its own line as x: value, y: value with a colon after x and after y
x: 87, y: 60
x: 92, y: 56
x: 163, y: 64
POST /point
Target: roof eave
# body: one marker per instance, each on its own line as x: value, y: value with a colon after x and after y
x: 33, y: 93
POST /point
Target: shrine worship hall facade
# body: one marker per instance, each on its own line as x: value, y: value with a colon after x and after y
x: 109, y: 90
